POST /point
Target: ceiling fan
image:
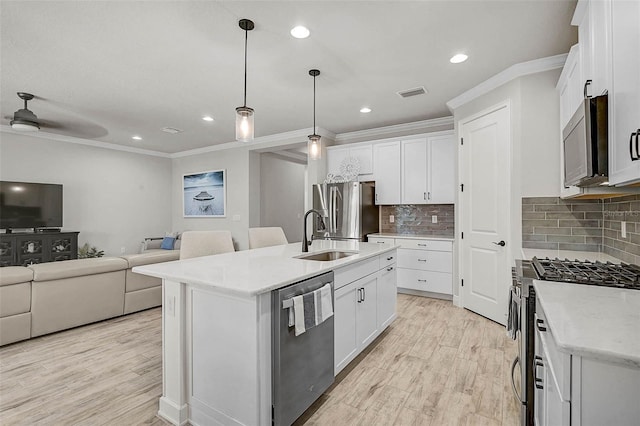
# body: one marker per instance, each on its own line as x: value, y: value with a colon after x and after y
x: 68, y: 122
x: 23, y: 119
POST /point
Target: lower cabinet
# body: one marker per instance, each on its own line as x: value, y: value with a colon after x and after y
x: 579, y: 391
x: 363, y: 309
x: 423, y: 264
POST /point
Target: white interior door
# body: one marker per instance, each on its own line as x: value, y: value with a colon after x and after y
x: 486, y: 213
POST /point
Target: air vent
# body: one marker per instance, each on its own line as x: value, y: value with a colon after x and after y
x: 171, y: 130
x: 412, y: 92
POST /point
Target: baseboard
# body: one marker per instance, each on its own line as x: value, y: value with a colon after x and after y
x: 172, y: 413
x: 425, y: 293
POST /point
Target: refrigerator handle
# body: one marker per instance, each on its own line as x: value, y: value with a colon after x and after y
x: 334, y: 211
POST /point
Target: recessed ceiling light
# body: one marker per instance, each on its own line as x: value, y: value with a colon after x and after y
x: 456, y: 59
x: 365, y: 110
x: 138, y: 138
x: 207, y: 118
x: 300, y: 32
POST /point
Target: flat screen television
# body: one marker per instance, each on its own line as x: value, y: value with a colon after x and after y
x: 30, y: 205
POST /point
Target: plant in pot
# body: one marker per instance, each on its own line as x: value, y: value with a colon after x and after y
x: 87, y: 251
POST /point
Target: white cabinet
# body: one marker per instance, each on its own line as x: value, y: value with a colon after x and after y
x: 624, y: 96
x: 366, y: 310
x: 423, y: 264
x: 580, y: 391
x: 419, y: 170
x: 362, y: 308
x: 386, y: 158
x: 414, y: 171
x: 362, y: 152
x: 428, y: 170
x: 570, y: 86
x: 442, y: 169
x: 387, y: 296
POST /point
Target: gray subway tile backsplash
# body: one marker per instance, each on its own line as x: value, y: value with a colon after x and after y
x: 416, y: 219
x: 583, y: 225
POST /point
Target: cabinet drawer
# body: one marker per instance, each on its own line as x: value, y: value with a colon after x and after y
x: 558, y: 363
x: 387, y: 259
x: 435, y: 245
x: 382, y: 241
x: 348, y: 274
x: 425, y: 260
x: 435, y: 282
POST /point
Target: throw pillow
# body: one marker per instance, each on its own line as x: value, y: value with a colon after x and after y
x: 167, y: 243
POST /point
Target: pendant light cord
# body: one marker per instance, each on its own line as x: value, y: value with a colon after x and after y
x: 314, y: 104
x: 246, y: 32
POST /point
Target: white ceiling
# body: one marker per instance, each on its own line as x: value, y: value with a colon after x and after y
x: 108, y: 70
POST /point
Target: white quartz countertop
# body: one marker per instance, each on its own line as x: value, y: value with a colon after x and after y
x: 593, y: 321
x: 252, y: 272
x: 528, y: 253
x: 412, y: 237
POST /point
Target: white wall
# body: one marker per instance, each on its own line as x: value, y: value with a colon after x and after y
x: 282, y: 195
x: 113, y: 198
x: 236, y: 163
x: 540, y: 137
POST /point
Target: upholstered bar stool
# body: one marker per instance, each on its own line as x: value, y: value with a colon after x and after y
x: 266, y: 237
x: 205, y: 243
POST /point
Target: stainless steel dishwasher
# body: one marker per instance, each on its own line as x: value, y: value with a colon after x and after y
x: 302, y: 366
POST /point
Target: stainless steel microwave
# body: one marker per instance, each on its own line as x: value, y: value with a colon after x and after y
x: 585, y: 144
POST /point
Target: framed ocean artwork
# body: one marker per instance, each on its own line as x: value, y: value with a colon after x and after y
x: 204, y: 194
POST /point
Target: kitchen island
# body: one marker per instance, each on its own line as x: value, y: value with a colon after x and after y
x: 587, y: 368
x: 216, y: 324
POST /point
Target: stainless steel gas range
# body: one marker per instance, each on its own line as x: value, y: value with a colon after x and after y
x: 523, y: 307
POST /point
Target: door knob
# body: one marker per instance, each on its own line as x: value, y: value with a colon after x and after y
x: 500, y: 243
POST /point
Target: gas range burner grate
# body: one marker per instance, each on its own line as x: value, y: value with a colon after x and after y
x: 607, y: 274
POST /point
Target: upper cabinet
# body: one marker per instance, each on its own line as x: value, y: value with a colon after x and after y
x: 624, y: 94
x: 606, y: 60
x: 336, y: 155
x: 386, y: 160
x: 428, y: 170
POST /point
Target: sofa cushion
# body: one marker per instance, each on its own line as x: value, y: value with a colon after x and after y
x: 15, y: 274
x: 152, y: 256
x: 15, y: 299
x: 76, y: 268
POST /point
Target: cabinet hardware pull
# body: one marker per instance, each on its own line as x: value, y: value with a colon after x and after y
x: 424, y: 195
x: 390, y: 258
x: 422, y: 245
x: 537, y: 363
x: 633, y: 157
x: 422, y: 260
x: 540, y: 325
x: 637, y: 146
x: 376, y: 197
x: 422, y: 281
x: 390, y: 268
x: 380, y: 242
x: 359, y: 296
x: 428, y: 195
x: 364, y: 294
x: 584, y: 91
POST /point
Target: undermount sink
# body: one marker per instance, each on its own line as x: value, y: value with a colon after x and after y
x: 327, y: 256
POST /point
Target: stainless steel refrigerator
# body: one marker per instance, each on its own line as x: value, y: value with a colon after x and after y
x: 349, y: 210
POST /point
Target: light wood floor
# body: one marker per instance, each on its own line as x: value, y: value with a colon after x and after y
x: 435, y: 365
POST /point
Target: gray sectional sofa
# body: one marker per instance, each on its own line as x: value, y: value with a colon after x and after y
x: 48, y: 297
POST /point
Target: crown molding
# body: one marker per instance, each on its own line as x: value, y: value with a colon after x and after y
x: 300, y: 136
x: 80, y: 141
x: 511, y: 73
x: 382, y: 132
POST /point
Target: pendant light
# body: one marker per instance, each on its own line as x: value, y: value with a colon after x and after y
x: 314, y: 146
x: 244, y: 114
